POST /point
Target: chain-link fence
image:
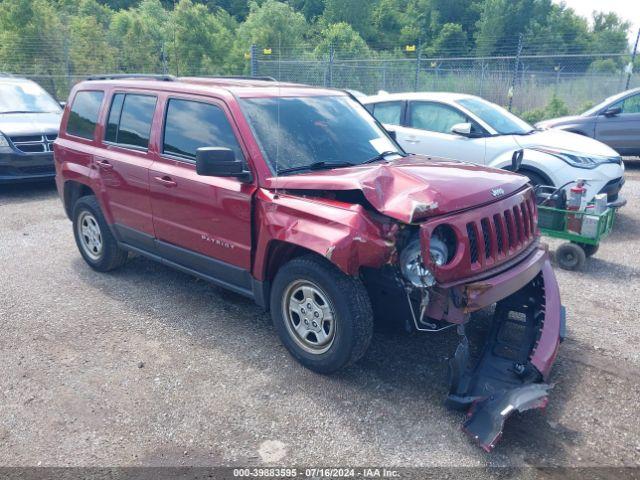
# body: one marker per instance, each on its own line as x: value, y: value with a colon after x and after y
x: 530, y: 80
x: 527, y: 82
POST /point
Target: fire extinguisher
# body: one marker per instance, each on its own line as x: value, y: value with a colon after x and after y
x: 576, y: 202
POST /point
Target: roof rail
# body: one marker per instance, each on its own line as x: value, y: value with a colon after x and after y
x: 241, y: 77
x: 142, y: 76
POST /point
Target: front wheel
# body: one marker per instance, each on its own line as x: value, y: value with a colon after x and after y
x: 322, y: 316
x: 571, y: 256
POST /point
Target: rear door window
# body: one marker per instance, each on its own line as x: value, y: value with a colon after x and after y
x: 190, y: 125
x: 130, y: 119
x: 83, y: 116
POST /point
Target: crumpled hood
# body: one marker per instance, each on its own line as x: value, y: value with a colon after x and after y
x: 412, y: 188
x: 565, y: 141
x: 14, y: 124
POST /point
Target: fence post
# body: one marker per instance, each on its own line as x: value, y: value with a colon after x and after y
x: 253, y: 60
x: 330, y: 66
x: 417, y: 81
x: 515, y: 72
x: 633, y: 59
x: 163, y: 57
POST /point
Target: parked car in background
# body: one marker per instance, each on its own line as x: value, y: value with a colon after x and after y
x: 471, y: 129
x: 29, y: 123
x: 615, y: 121
x: 297, y: 198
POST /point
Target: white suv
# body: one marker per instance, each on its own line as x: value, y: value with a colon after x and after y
x: 470, y: 129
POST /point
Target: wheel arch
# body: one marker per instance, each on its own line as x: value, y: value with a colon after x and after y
x: 530, y: 168
x: 74, y: 190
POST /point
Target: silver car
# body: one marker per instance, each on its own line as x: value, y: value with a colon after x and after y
x: 615, y: 121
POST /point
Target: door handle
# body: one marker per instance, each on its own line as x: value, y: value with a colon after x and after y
x: 167, y: 181
x: 412, y: 140
x: 105, y: 165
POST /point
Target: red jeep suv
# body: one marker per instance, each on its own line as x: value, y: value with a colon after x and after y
x: 298, y: 198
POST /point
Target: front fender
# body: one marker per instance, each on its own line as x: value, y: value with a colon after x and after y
x: 345, y: 234
x: 533, y: 160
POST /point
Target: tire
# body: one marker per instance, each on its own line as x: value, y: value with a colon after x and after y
x: 571, y: 256
x: 310, y: 288
x: 97, y: 245
x: 589, y: 250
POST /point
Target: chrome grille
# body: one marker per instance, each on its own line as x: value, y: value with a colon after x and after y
x: 34, y: 143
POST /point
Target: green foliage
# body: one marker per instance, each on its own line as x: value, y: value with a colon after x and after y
x: 555, y: 108
x: 62, y: 38
x: 271, y: 24
x: 343, y: 35
x: 201, y: 41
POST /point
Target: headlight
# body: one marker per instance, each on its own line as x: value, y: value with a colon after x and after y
x: 412, y: 267
x: 4, y: 144
x: 580, y: 160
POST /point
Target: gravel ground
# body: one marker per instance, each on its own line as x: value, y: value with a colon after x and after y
x: 147, y: 366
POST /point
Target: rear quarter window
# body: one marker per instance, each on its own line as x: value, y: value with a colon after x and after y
x: 83, y: 116
x: 130, y: 118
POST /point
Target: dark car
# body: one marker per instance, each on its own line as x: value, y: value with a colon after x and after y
x: 29, y: 123
x: 615, y: 121
x: 297, y: 198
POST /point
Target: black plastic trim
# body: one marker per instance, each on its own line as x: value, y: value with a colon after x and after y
x: 210, y: 269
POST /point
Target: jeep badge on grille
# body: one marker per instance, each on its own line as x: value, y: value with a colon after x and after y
x: 497, y: 192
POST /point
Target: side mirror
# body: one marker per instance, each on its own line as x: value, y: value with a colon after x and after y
x: 220, y: 162
x: 612, y: 112
x: 63, y: 104
x: 516, y: 160
x: 392, y: 134
x: 462, y: 129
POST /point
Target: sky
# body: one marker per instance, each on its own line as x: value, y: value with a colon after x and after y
x: 627, y: 9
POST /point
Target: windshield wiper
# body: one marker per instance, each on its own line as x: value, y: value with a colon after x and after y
x: 316, y: 166
x: 381, y: 156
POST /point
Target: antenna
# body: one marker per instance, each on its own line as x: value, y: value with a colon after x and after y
x: 278, y: 110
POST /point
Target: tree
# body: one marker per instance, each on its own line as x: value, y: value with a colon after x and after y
x: 89, y: 48
x: 346, y: 41
x: 26, y: 26
x: 271, y: 24
x: 201, y: 40
x: 141, y: 37
x: 354, y: 12
x: 451, y: 41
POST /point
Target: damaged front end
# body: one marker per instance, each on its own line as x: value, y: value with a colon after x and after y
x: 463, y: 264
x: 513, y: 366
x: 509, y: 371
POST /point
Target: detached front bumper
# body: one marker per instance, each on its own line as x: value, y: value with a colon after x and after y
x: 520, y: 348
x: 22, y: 167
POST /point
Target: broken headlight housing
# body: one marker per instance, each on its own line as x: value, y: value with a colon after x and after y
x: 441, y: 250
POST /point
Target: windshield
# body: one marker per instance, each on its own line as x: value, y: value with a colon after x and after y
x: 26, y: 97
x: 596, y: 108
x: 502, y: 121
x: 297, y: 132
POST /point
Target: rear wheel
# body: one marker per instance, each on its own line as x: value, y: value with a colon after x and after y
x: 322, y: 316
x: 589, y: 250
x: 571, y: 256
x: 93, y: 237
